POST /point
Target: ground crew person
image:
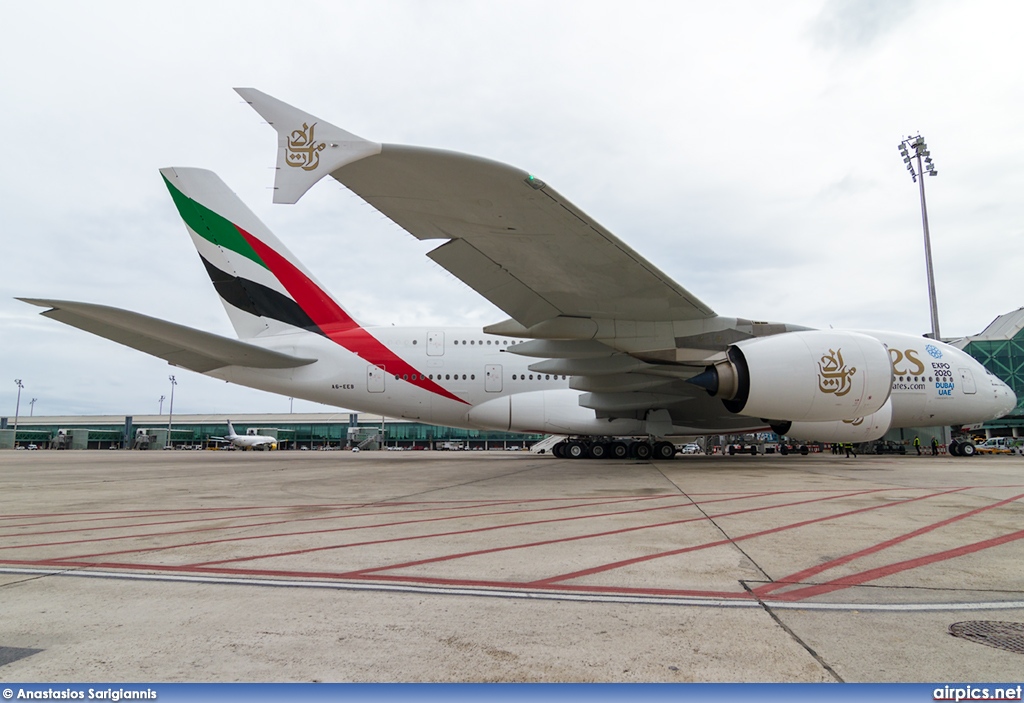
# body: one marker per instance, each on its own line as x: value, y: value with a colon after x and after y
x: 917, y: 445
x: 935, y: 446
x: 849, y: 448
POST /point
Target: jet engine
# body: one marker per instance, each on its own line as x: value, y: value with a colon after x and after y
x: 811, y: 375
x: 863, y: 429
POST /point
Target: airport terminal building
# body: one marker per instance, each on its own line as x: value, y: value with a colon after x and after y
x: 1000, y: 349
x: 293, y: 431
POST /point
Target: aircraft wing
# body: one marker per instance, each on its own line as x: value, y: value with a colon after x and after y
x: 511, y: 237
x: 179, y: 345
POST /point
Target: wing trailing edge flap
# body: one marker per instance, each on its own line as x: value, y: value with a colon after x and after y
x: 179, y: 345
x: 486, y: 277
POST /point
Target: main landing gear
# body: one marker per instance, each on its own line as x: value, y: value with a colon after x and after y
x: 613, y: 449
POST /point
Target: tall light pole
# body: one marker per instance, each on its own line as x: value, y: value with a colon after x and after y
x: 161, y: 401
x: 920, y: 151
x: 32, y: 407
x: 17, y: 406
x: 170, y: 411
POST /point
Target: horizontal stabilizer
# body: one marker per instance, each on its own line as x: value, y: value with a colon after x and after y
x: 179, y: 345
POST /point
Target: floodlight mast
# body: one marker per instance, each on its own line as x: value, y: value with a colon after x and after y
x: 17, y: 407
x: 926, y: 167
x: 170, y: 412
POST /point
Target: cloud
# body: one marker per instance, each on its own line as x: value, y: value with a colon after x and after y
x: 848, y: 25
x: 748, y: 150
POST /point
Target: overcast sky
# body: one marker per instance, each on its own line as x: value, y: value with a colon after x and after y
x: 748, y: 149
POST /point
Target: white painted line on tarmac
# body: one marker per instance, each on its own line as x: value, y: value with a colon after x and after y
x: 524, y: 594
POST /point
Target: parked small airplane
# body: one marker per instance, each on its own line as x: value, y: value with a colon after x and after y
x: 601, y: 345
x: 248, y: 440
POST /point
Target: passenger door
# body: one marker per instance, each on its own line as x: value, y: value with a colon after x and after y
x: 375, y: 379
x: 492, y: 378
x: 967, y: 379
x: 435, y: 343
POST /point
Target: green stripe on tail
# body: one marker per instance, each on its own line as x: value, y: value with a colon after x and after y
x: 211, y: 226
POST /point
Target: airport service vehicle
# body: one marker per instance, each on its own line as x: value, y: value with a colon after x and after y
x: 599, y: 345
x: 999, y: 445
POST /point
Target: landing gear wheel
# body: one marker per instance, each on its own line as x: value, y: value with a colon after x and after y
x: 618, y: 450
x: 575, y: 450
x: 598, y: 450
x: 559, y: 450
x: 640, y: 450
x: 783, y: 449
x: 664, y: 450
x: 967, y: 449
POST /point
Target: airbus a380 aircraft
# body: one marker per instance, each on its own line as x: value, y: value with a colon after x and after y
x: 600, y: 344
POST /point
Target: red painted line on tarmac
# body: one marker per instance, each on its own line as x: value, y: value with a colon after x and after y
x: 456, y: 532
x: 819, y: 568
x: 490, y: 528
x: 574, y: 538
x: 118, y: 514
x: 134, y: 525
x: 451, y: 533
x: 890, y: 569
x: 648, y: 557
x: 371, y: 575
x: 414, y: 580
x: 304, y: 532
x: 158, y: 512
x: 737, y: 595
x: 295, y: 519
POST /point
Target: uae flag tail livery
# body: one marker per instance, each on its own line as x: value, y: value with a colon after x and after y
x: 266, y: 291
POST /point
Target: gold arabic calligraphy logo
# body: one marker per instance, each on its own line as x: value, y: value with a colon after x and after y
x: 833, y: 374
x: 855, y: 423
x: 303, y: 150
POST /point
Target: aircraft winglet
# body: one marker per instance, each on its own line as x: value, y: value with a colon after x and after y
x: 308, y: 148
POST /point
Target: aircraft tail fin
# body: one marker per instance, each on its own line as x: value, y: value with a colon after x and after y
x: 264, y: 288
x: 308, y: 148
x: 231, y: 431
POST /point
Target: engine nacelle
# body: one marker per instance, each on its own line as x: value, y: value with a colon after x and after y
x: 812, y: 375
x: 549, y: 412
x: 863, y: 429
